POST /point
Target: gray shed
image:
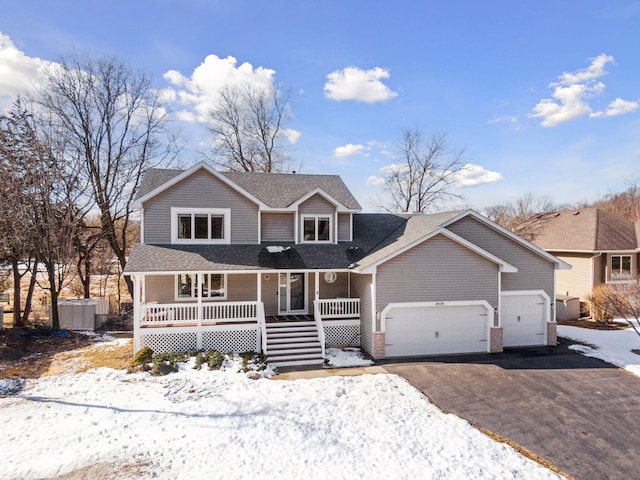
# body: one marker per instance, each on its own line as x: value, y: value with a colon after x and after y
x: 82, y: 313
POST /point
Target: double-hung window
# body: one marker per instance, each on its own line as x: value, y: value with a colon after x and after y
x: 620, y: 267
x: 200, y: 225
x: 316, y: 228
x: 212, y: 286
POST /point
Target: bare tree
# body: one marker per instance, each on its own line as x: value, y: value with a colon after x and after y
x: 246, y: 129
x: 112, y: 123
x: 621, y: 300
x: 422, y: 181
x: 515, y: 215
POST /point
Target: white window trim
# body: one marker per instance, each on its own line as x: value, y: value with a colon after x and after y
x: 225, y: 212
x: 632, y: 267
x: 316, y: 217
x: 194, y: 282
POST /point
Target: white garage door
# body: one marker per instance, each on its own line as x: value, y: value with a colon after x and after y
x: 435, y: 329
x: 523, y: 319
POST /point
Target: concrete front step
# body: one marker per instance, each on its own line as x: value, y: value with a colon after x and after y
x: 292, y: 363
x: 301, y: 349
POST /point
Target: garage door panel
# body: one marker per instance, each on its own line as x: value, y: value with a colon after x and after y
x: 523, y: 320
x: 429, y: 330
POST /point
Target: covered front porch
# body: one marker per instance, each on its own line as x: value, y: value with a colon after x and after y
x: 292, y: 317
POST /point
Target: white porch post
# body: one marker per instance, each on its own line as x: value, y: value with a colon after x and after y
x: 259, y: 313
x: 199, y: 331
x: 137, y: 312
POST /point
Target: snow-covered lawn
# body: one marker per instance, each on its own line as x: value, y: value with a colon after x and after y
x: 613, y: 346
x: 202, y: 424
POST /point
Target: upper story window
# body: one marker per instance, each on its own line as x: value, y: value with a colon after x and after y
x: 200, y: 225
x: 620, y: 267
x: 316, y: 228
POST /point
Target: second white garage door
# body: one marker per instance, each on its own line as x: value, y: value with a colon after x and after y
x: 429, y: 329
x: 523, y: 318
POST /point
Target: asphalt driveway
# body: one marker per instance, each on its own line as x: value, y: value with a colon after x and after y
x: 579, y: 413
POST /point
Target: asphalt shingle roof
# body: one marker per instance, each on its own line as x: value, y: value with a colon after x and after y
x: 277, y: 190
x: 588, y: 230
x: 376, y: 235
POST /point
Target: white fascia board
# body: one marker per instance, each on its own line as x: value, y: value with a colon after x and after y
x: 560, y: 265
x: 504, y: 266
x: 190, y: 171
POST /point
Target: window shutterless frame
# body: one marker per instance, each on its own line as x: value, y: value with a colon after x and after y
x: 200, y: 225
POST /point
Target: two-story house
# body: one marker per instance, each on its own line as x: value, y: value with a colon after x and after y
x: 286, y: 264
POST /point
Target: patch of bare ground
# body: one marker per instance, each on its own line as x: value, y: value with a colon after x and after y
x: 636, y: 351
x: 592, y: 324
x: 106, y: 471
x: 31, y: 353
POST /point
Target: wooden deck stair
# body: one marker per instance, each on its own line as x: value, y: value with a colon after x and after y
x: 293, y: 343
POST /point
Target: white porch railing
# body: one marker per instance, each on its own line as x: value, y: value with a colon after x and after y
x: 236, y: 326
x: 178, y: 314
x: 339, y: 308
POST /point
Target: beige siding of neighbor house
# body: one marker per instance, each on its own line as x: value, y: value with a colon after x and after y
x: 577, y: 281
x: 278, y: 227
x: 361, y: 288
x: 316, y: 205
x: 344, y: 227
x: 534, y: 271
x: 239, y: 287
x: 438, y: 269
x: 200, y: 190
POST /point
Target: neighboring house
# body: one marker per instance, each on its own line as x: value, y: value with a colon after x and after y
x: 601, y: 247
x: 286, y: 264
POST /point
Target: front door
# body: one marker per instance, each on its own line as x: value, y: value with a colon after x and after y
x: 292, y: 293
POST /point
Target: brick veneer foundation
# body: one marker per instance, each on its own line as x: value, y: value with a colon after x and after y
x: 378, y: 345
x: 552, y: 336
x: 495, y: 340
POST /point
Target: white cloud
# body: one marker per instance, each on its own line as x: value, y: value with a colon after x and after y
x: 291, y: 135
x: 472, y: 175
x: 377, y: 181
x: 571, y: 94
x: 349, y: 150
x: 593, y: 71
x: 617, y: 107
x: 18, y: 72
x: 353, y: 83
x: 394, y: 168
x: 200, y: 90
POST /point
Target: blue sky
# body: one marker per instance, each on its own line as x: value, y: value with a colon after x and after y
x: 543, y: 96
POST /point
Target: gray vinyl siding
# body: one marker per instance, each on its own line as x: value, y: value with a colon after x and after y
x: 162, y: 288
x: 577, y: 281
x: 438, y: 269
x: 278, y: 227
x: 344, y: 227
x: 339, y: 288
x: 316, y: 205
x: 200, y: 190
x: 361, y: 288
x: 270, y: 293
x: 534, y: 271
